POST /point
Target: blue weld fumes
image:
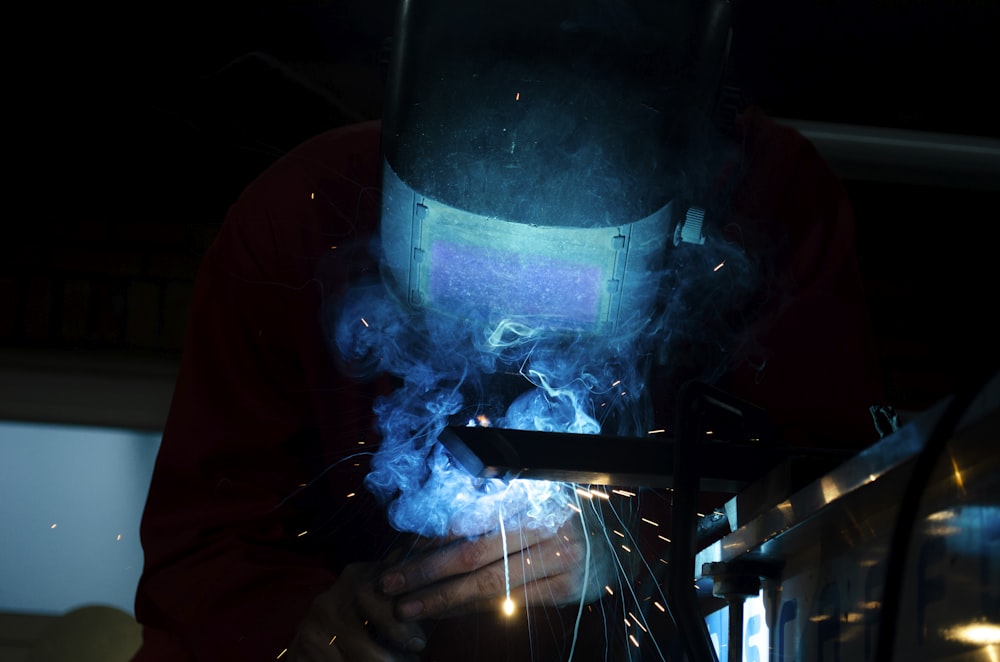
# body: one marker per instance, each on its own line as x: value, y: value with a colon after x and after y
x: 460, y: 369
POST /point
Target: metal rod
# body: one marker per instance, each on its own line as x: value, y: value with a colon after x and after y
x: 735, y: 629
x: 871, y: 153
x: 681, y: 592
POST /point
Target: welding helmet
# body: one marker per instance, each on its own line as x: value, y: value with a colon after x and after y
x: 533, y: 159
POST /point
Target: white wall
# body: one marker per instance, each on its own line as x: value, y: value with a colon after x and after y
x: 71, y: 498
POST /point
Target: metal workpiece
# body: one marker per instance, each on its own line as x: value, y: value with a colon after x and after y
x: 589, y: 459
x: 799, y: 563
x: 841, y: 538
x: 792, y: 505
x: 731, y: 448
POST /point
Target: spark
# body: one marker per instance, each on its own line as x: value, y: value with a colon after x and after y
x: 649, y: 521
x: 958, y: 475
x: 641, y: 627
x: 302, y: 534
x: 332, y: 640
x: 608, y: 589
x: 364, y: 321
x: 334, y: 247
x: 660, y: 607
x: 664, y: 538
x: 616, y: 382
x: 517, y: 96
x: 584, y: 492
x: 624, y: 493
x: 627, y: 549
x: 281, y: 654
x: 312, y: 196
x: 508, y: 606
x: 658, y: 431
x: 350, y: 494
x: 118, y: 537
x: 976, y: 633
x: 574, y: 508
x: 53, y: 525
x: 635, y: 642
x: 617, y: 533
x: 719, y: 266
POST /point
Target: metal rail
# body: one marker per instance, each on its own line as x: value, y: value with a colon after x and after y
x: 871, y: 153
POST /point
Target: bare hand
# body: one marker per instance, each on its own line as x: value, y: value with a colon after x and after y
x: 353, y: 622
x: 545, y: 569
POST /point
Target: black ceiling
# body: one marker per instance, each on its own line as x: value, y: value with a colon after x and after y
x: 139, y: 94
x: 924, y: 64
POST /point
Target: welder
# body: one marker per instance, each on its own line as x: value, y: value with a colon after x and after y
x: 543, y: 169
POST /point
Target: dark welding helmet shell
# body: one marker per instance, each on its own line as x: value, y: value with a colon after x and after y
x: 531, y: 160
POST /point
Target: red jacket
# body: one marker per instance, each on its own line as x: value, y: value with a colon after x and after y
x: 256, y: 499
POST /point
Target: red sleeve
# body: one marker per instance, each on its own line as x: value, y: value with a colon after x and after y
x: 811, y: 360
x: 230, y: 529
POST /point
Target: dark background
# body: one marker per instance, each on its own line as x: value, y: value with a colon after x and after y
x: 131, y: 129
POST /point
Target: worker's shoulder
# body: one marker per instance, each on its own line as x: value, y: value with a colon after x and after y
x: 765, y: 136
x: 351, y: 153
x: 324, y: 189
x: 361, y: 137
x: 781, y: 167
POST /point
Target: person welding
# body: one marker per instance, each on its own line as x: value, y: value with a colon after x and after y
x: 544, y: 170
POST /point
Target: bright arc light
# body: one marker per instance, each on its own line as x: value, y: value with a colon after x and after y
x: 508, y: 606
